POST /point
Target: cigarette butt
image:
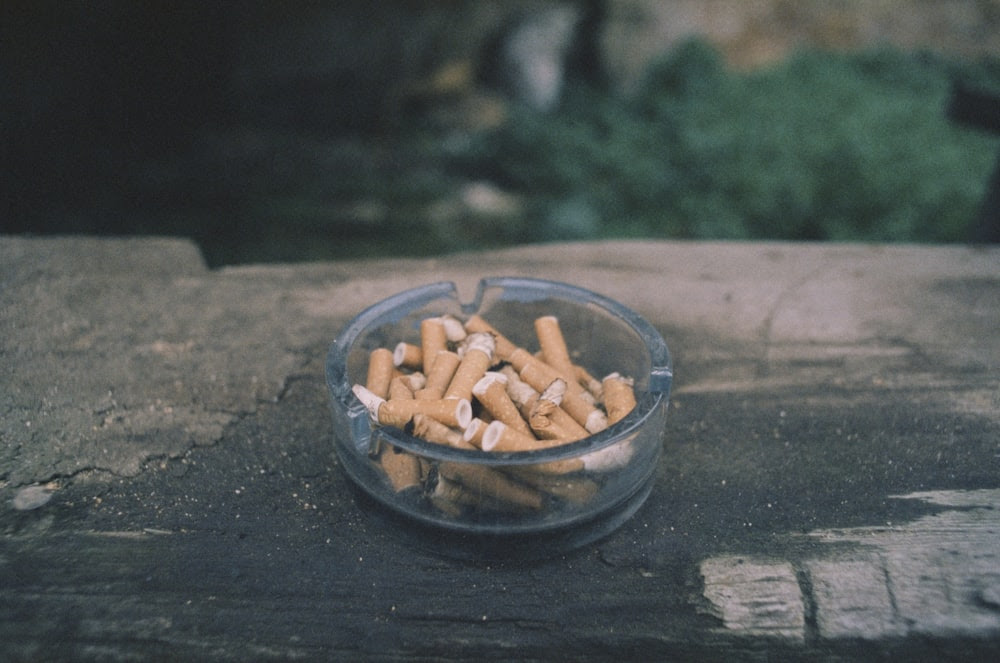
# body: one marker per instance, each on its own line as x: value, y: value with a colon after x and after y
x: 474, y: 432
x: 603, y: 460
x: 433, y: 339
x: 453, y: 328
x: 609, y: 458
x: 555, y: 392
x: 540, y: 375
x: 372, y: 401
x: 521, y: 393
x: 553, y: 345
x: 408, y: 355
x: 519, y: 358
x: 491, y: 391
x: 487, y: 482
x: 504, y: 346
x: 404, y: 386
x: 434, y: 431
x: 401, y: 468
x: 593, y: 386
x: 619, y: 397
x: 380, y: 371
x: 573, y: 489
x: 455, y: 412
x: 596, y: 420
x: 441, y: 373
x: 498, y: 436
x: 548, y: 421
x: 449, y: 497
x: 475, y: 362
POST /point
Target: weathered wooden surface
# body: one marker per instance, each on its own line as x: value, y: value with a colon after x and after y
x: 830, y: 487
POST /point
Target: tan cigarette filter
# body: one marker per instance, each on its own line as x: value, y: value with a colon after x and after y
x: 455, y: 412
x: 553, y: 345
x: 434, y: 431
x: 442, y: 371
x: 433, y: 339
x: 619, y: 397
x: 475, y: 362
x: 380, y: 371
x: 408, y: 355
x: 447, y: 496
x: 504, y: 346
x: 400, y: 388
x: 488, y: 482
x: 491, y: 391
x: 401, y: 468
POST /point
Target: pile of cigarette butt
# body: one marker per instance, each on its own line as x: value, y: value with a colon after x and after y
x: 467, y: 386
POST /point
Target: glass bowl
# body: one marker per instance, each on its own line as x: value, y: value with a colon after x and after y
x: 563, y: 496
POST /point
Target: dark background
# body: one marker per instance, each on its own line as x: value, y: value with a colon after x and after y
x: 307, y: 130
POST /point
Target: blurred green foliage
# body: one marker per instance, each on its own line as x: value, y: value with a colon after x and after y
x: 823, y: 146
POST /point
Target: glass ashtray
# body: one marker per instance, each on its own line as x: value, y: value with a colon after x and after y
x: 459, y: 499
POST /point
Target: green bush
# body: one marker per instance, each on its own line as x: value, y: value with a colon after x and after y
x: 824, y: 146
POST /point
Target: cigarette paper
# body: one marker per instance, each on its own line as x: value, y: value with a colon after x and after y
x: 553, y: 345
x: 380, y: 371
x: 433, y: 339
x: 442, y: 371
x: 619, y: 397
x: 475, y: 362
x: 433, y: 430
x: 487, y: 482
x: 491, y: 391
x: 401, y: 468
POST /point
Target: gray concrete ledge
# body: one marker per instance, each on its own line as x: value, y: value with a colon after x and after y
x: 831, y: 473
